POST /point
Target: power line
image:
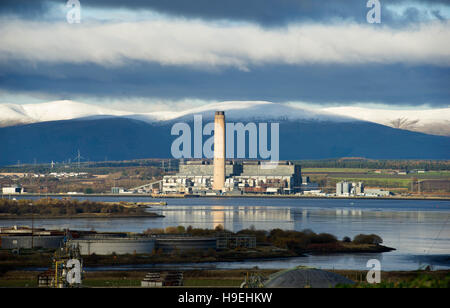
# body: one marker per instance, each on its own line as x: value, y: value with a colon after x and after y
x: 78, y: 158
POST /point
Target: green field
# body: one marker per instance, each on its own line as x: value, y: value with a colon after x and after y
x: 233, y: 278
x: 212, y: 282
x: 378, y: 182
x: 125, y: 282
x: 336, y: 170
x: 18, y: 283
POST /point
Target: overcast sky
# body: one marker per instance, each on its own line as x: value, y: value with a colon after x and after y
x: 143, y: 54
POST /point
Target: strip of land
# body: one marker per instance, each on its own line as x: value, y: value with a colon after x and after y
x: 74, y: 209
x: 233, y: 278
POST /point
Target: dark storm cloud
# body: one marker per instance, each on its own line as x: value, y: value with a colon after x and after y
x: 34, y: 8
x: 265, y: 12
x: 390, y: 84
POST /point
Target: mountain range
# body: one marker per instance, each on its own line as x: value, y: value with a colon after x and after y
x: 429, y: 121
x: 56, y: 130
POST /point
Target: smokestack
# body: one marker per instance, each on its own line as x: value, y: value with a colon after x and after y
x: 219, y: 150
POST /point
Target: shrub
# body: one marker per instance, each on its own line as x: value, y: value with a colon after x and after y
x: 367, y: 239
x: 171, y: 230
x: 323, y: 238
x: 346, y: 239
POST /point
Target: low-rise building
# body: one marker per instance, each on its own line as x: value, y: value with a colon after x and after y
x: 15, y: 189
x: 372, y: 192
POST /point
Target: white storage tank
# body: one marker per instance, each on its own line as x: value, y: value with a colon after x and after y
x: 119, y: 246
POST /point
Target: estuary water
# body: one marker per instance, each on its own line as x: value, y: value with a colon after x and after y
x: 419, y: 230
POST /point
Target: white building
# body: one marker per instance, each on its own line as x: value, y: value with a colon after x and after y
x: 346, y: 189
x: 369, y: 192
x: 13, y: 190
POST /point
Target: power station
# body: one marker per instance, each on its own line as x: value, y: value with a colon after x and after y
x: 236, y: 176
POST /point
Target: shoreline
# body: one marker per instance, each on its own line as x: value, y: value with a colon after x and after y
x: 123, y: 261
x: 424, y: 198
x: 87, y: 216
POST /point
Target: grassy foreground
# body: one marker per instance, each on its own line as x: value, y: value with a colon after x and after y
x: 233, y: 278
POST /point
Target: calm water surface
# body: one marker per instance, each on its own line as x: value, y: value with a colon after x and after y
x: 418, y: 229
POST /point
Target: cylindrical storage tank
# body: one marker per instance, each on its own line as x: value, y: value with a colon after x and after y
x: 120, y: 246
x: 47, y: 241
x: 169, y: 244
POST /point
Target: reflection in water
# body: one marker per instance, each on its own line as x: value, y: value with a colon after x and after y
x: 417, y: 229
x: 218, y: 216
x: 232, y: 218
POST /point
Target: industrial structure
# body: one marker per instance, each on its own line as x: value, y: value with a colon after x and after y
x: 12, y: 190
x: 222, y: 176
x: 108, y: 245
x: 27, y: 238
x: 91, y: 242
x: 219, y: 151
x: 375, y: 192
x: 349, y: 189
x: 198, y: 176
x: 162, y: 279
x: 229, y: 241
x: 346, y: 189
x: 66, y: 270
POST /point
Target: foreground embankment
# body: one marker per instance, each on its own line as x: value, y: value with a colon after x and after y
x: 233, y: 278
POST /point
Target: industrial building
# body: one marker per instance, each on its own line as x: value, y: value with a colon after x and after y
x: 231, y: 177
x: 346, y: 189
x: 28, y: 242
x: 27, y: 238
x: 373, y: 192
x: 16, y: 189
x: 222, y: 176
x: 197, y: 177
x: 309, y: 187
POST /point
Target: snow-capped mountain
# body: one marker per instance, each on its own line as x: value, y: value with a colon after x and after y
x: 431, y: 121
x: 236, y: 110
x: 11, y: 114
x: 305, y: 132
x: 246, y: 110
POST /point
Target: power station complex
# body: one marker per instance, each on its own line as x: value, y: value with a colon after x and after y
x: 232, y: 177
